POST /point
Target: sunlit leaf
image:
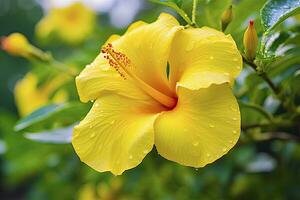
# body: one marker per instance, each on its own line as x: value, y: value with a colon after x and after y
x: 276, y: 11
x: 59, y: 114
x: 56, y: 136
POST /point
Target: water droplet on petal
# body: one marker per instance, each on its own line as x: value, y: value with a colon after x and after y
x: 97, y: 104
x: 226, y: 73
x: 145, y: 151
x: 211, y: 125
x: 234, y: 118
x: 230, y: 141
x: 235, y: 59
x: 91, y: 126
x: 130, y: 157
x: 190, y: 46
x: 92, y: 135
x: 233, y: 108
x: 208, y: 155
x: 196, y: 169
x: 196, y: 143
x: 211, y: 57
x: 234, y: 131
x: 238, y: 67
x: 112, y: 122
x: 224, y: 149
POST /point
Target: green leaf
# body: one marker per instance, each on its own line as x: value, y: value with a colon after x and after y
x: 56, y: 114
x: 56, y: 136
x: 276, y: 11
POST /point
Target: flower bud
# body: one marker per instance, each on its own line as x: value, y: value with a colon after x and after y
x: 226, y: 17
x: 250, y: 41
x: 16, y: 44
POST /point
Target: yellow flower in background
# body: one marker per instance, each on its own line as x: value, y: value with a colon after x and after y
x: 71, y: 24
x: 190, y: 114
x: 29, y: 96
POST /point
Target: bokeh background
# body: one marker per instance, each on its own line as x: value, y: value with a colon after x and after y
x: 35, y: 170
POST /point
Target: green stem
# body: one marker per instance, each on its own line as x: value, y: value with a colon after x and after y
x: 258, y: 108
x: 274, y: 123
x: 45, y: 57
x: 276, y: 90
x: 181, y: 12
x: 194, y: 12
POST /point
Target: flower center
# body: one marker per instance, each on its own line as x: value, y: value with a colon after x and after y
x: 121, y: 63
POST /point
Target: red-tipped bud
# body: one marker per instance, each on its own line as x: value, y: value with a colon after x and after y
x: 250, y: 41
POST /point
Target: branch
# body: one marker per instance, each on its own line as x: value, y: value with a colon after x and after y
x: 258, y: 108
x: 194, y: 12
x: 278, y: 135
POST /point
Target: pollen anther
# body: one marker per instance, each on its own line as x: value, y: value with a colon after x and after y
x: 117, y: 60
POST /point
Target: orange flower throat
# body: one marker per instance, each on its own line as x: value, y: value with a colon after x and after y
x: 121, y: 63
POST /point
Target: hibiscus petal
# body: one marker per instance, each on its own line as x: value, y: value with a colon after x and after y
x: 99, y: 77
x: 203, y: 56
x: 116, y: 134
x: 148, y: 47
x: 204, y: 126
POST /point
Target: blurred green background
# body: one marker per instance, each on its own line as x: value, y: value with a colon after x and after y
x: 267, y: 169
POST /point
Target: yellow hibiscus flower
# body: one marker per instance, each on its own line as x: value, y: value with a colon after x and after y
x: 71, y: 24
x: 190, y: 114
x: 29, y: 96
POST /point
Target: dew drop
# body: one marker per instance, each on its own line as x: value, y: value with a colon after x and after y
x: 112, y: 122
x: 211, y: 125
x: 230, y: 141
x: 91, y: 126
x: 196, y: 169
x: 190, y: 46
x: 226, y: 74
x: 92, y: 101
x: 196, y: 143
x: 235, y: 59
x: 130, y: 157
x: 234, y: 118
x: 211, y: 57
x: 238, y: 67
x: 208, y: 155
x: 233, y: 108
x: 224, y: 149
x: 97, y: 105
x: 235, y: 132
x: 145, y: 151
x: 92, y: 135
